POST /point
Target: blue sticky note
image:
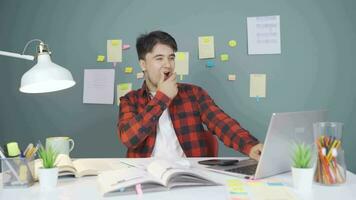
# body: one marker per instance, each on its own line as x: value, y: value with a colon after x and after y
x: 275, y: 184
x: 210, y: 64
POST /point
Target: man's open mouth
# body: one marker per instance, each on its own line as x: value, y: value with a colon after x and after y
x: 166, y: 75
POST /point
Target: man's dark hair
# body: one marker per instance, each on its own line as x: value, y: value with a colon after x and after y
x: 146, y: 42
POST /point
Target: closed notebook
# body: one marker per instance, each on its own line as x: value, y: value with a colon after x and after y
x: 80, y: 167
x: 159, y: 175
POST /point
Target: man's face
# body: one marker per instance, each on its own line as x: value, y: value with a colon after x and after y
x: 159, y: 62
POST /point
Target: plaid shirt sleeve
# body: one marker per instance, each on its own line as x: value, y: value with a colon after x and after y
x: 134, y: 127
x: 225, y: 128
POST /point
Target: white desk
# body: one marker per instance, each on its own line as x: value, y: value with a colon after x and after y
x: 87, y: 188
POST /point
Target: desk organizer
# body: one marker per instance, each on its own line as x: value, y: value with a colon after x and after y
x: 331, y: 167
x: 17, y: 172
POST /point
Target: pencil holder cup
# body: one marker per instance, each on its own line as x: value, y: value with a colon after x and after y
x: 331, y: 167
x: 17, y: 172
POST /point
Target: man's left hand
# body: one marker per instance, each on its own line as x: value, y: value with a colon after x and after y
x: 255, y: 152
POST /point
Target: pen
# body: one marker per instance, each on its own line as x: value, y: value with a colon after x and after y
x: 29, y: 146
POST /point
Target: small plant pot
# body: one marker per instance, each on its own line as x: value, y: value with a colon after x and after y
x: 48, y: 178
x: 303, y: 179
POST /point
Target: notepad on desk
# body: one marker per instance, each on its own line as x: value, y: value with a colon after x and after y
x: 80, y: 167
x: 159, y: 175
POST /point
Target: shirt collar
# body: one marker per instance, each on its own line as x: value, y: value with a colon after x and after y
x: 146, y: 90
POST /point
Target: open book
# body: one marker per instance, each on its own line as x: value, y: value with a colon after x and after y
x: 159, y: 175
x: 80, y: 167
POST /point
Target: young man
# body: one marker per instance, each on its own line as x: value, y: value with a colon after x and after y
x: 165, y: 118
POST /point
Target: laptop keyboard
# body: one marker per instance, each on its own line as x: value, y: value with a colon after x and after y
x: 248, y: 170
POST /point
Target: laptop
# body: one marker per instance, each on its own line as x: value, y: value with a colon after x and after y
x: 283, y: 130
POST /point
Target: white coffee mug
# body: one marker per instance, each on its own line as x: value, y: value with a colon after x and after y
x: 61, y: 145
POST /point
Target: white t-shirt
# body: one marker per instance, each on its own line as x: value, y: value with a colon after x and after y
x: 167, y: 144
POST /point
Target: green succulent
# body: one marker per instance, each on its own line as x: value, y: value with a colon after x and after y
x: 302, y: 156
x: 48, y: 156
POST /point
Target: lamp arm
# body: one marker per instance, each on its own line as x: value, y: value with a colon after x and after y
x: 16, y: 55
x: 22, y: 56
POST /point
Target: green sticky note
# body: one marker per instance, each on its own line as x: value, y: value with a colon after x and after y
x: 224, y: 57
x: 100, y: 58
x: 124, y: 86
x: 232, y: 43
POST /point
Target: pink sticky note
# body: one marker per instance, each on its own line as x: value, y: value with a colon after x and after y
x: 125, y: 46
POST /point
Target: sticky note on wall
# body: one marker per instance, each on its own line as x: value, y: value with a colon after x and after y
x: 139, y: 75
x: 232, y: 43
x: 206, y: 47
x: 128, y: 70
x: 114, y: 51
x: 210, y: 64
x: 122, y: 90
x: 182, y: 63
x: 231, y: 77
x: 125, y: 46
x: 100, y: 58
x: 258, y: 85
x: 224, y: 57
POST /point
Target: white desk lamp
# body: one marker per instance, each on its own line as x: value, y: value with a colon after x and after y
x: 45, y: 76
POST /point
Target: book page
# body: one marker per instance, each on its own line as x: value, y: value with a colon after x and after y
x: 124, y: 180
x: 173, y: 174
x: 92, y: 166
x: 158, y: 168
x: 65, y: 165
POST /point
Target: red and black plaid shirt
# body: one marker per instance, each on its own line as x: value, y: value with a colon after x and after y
x: 139, y: 115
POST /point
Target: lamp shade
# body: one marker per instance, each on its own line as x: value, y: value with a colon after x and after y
x: 46, y: 76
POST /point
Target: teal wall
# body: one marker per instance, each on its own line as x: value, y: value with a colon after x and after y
x: 316, y: 69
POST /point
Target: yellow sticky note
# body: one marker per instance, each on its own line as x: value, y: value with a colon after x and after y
x: 128, y: 70
x: 206, y: 40
x: 139, y: 75
x: 224, y: 57
x: 206, y: 47
x: 258, y: 85
x: 180, y: 56
x: 122, y: 90
x: 115, y: 42
x: 114, y: 51
x: 231, y: 77
x: 275, y: 192
x: 100, y: 58
x: 234, y: 182
x: 232, y: 43
x: 182, y: 63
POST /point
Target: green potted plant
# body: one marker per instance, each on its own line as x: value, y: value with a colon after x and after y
x: 302, y: 168
x: 48, y: 173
